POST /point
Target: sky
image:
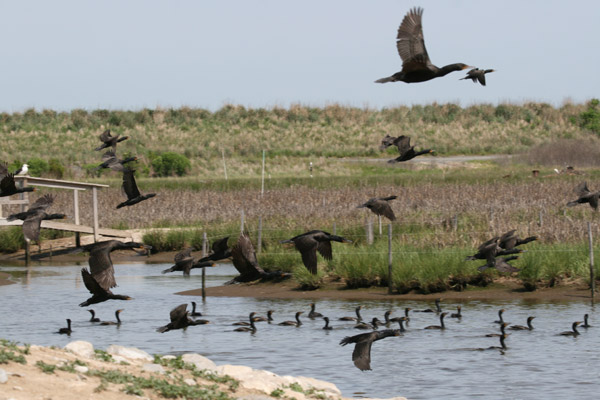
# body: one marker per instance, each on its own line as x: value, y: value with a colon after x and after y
x: 120, y: 54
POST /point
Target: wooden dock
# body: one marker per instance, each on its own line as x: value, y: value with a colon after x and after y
x: 77, y: 227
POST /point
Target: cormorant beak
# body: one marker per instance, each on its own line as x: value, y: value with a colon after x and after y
x: 467, y: 66
x: 129, y: 298
x: 34, y: 189
x: 347, y: 241
x: 432, y: 151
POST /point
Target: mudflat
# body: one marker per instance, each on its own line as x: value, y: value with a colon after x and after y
x: 504, y: 289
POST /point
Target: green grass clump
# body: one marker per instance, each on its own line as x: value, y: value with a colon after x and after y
x: 70, y: 367
x: 162, y: 387
x: 45, y: 368
x: 306, y: 280
x: 7, y: 355
x: 103, y: 355
x: 11, y: 239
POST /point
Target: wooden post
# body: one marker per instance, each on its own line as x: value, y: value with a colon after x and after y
x: 369, y: 230
x: 242, y: 222
x: 390, y: 258
x: 379, y: 219
x: 27, y: 253
x: 95, y: 207
x: 204, y: 254
x: 224, y: 165
x: 76, y: 214
x: 262, y: 185
x: 259, y: 241
x: 591, y: 244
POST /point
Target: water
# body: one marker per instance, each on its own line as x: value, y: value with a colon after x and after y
x: 421, y: 364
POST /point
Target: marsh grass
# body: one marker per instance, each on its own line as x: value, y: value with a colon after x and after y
x: 307, y: 280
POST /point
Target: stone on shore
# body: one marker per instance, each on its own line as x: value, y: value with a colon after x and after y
x: 153, y: 368
x: 81, y: 348
x: 3, y: 376
x: 130, y: 353
x: 199, y: 361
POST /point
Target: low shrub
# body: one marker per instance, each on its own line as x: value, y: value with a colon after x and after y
x: 170, y: 163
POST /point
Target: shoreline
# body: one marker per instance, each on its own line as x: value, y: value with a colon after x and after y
x: 505, y: 289
x: 502, y: 288
x: 78, y: 371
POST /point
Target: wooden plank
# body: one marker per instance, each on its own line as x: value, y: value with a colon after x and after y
x: 64, y: 226
x: 57, y: 183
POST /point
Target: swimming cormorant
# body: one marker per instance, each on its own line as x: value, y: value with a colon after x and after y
x: 529, y: 326
x: 93, y: 318
x: 416, y: 66
x: 441, y: 325
x: 296, y: 323
x: 500, y: 320
x: 438, y: 309
x: 117, y: 313
x: 327, y: 327
x: 458, y: 313
x: 358, y: 317
x: 313, y: 314
x: 195, y: 313
x: 502, y: 330
x: 250, y: 328
x: 585, y: 322
x: 67, y: 330
x: 573, y: 331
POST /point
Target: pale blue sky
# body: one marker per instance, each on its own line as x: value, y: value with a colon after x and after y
x: 133, y: 54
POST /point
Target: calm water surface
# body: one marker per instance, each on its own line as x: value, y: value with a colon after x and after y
x: 421, y: 364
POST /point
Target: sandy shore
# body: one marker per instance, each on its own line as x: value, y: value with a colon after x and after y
x: 37, y: 372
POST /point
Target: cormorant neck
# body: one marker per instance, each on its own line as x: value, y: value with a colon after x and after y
x: 450, y: 68
x: 502, y: 344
